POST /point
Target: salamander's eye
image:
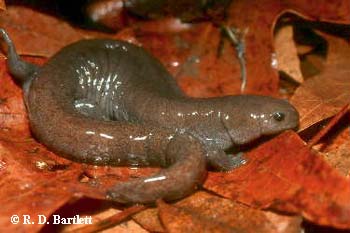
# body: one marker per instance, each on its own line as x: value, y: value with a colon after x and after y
x: 278, y: 116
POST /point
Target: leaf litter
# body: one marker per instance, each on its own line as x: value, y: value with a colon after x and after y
x: 283, y: 174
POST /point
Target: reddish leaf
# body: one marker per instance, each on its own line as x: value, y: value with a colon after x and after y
x: 39, y: 34
x: 27, y: 174
x: 284, y: 174
x: 12, y: 110
x: 200, y: 71
x: 110, y: 13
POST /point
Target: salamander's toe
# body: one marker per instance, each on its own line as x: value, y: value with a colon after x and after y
x: 220, y: 161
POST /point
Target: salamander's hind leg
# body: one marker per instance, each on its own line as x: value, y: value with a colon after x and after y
x: 220, y: 161
x: 187, y: 171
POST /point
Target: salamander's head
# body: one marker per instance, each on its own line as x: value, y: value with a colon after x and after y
x: 276, y: 115
x: 261, y: 115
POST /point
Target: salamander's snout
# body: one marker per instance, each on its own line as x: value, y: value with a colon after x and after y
x: 280, y: 115
x: 289, y: 118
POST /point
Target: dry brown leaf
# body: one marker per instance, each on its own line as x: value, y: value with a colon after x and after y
x: 149, y: 220
x: 338, y: 155
x: 2, y: 5
x: 127, y: 226
x: 335, y: 148
x: 178, y: 220
x: 325, y: 94
x: 286, y: 54
x: 204, y: 212
x: 214, y: 213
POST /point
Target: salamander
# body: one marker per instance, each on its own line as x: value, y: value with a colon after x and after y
x: 109, y: 102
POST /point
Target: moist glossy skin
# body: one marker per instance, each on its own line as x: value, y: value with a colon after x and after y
x: 110, y: 102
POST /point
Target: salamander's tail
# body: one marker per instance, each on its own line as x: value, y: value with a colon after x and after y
x: 21, y: 70
x: 184, y: 176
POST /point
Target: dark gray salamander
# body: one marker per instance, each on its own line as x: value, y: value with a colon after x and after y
x: 110, y: 102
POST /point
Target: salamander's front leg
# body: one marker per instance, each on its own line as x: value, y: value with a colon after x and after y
x: 220, y: 161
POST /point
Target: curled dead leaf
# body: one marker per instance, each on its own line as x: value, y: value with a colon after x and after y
x: 322, y: 96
